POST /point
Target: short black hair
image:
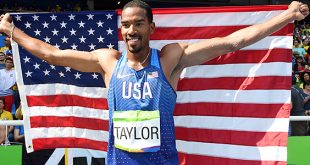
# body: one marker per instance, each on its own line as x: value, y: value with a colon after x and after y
x: 142, y: 5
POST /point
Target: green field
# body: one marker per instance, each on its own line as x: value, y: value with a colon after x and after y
x: 298, y: 152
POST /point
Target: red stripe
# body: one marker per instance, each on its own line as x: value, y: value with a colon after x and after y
x: 232, y: 137
x: 188, y: 33
x: 69, y: 121
x: 235, y: 83
x: 51, y: 143
x: 216, y: 9
x: 237, y: 110
x: 67, y: 100
x: 253, y: 56
x: 185, y: 159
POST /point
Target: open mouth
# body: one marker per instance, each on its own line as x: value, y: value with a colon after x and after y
x: 132, y: 39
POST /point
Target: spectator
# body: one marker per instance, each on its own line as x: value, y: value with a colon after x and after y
x: 7, y: 83
x: 305, y: 78
x: 19, y: 130
x: 5, y: 47
x: 4, y: 132
x: 2, y: 59
x: 300, y: 65
x: 306, y: 94
x: 298, y: 128
x: 8, y: 45
x: 301, y: 51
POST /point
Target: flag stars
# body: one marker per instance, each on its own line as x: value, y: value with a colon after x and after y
x: 64, y: 39
x: 100, y: 24
x: 57, y: 46
x: 73, y: 46
x: 110, y: 46
x: 109, y: 31
x: 54, y: 17
x: 90, y: 16
x: 91, y: 31
x: 81, y: 24
x: 45, y: 24
x: 36, y: 66
x: 100, y: 39
x: 92, y: 46
x: 28, y: 73
x: 61, y: 74
x: 47, y: 40
x: 72, y: 31
x: 95, y: 76
x: 71, y: 17
x: 37, y: 32
x: 53, y: 67
x: 28, y: 25
x: 77, y: 75
x: 82, y: 39
x: 46, y: 72
x: 55, y: 32
x: 18, y: 17
x: 109, y: 16
x: 68, y: 69
x: 63, y: 24
x: 35, y: 18
x: 26, y: 59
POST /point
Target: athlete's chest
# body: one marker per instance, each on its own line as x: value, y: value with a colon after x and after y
x: 137, y: 84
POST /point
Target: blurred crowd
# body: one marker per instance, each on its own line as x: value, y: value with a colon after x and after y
x: 300, y: 90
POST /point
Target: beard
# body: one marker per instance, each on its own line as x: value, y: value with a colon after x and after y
x: 134, y: 49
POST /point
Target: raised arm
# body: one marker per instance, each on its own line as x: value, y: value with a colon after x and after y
x: 79, y: 60
x: 194, y: 54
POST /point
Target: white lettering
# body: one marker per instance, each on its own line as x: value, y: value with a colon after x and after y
x: 124, y: 90
x: 136, y: 88
x: 147, y: 90
x: 131, y: 90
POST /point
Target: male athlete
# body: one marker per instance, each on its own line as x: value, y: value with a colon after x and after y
x: 142, y: 81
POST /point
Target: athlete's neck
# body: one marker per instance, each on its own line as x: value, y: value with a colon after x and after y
x: 138, y: 60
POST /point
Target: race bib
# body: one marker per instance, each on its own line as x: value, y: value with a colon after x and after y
x: 136, y: 130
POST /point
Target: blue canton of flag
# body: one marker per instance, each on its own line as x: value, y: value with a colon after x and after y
x: 82, y: 31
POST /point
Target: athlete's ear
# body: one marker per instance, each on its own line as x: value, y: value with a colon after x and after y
x: 152, y: 27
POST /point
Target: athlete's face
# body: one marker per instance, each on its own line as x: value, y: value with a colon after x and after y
x: 136, y: 29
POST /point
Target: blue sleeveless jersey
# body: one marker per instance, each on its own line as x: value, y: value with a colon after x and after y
x: 163, y: 99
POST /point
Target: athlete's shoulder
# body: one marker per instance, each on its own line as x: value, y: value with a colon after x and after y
x: 173, y: 49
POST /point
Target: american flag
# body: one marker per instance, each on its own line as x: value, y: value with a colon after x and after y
x: 231, y: 110
x: 64, y: 107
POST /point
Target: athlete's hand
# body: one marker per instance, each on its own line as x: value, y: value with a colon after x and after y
x: 299, y: 10
x: 5, y: 23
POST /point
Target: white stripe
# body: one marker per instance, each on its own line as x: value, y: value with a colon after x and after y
x: 238, y: 70
x: 233, y: 123
x: 55, y: 89
x: 211, y: 19
x: 235, y: 96
x: 269, y: 153
x: 22, y: 88
x: 66, y: 132
x: 68, y: 111
x: 269, y: 42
